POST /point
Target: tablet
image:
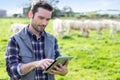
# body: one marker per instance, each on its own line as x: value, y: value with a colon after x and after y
x: 60, y: 59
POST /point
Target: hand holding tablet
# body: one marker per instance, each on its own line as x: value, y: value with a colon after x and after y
x: 60, y: 59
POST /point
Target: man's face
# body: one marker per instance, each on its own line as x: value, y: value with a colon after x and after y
x: 40, y: 19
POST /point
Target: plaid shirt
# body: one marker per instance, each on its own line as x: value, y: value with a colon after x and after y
x: 13, y: 60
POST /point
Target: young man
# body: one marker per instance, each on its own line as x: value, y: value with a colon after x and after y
x: 32, y: 50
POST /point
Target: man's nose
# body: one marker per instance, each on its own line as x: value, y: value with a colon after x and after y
x: 44, y: 22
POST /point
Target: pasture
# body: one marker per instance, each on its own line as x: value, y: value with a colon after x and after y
x: 95, y: 58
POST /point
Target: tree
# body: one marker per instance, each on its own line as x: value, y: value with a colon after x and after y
x: 57, y: 13
x: 53, y: 2
x: 68, y: 11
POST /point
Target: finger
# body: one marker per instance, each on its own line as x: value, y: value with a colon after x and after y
x: 60, y: 65
x: 42, y: 66
x: 57, y: 68
x: 55, y: 71
x: 46, y: 64
x: 66, y: 63
x: 50, y: 60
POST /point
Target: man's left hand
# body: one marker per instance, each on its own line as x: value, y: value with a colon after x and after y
x: 60, y: 69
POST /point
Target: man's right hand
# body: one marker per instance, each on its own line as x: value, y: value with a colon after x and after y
x: 44, y: 63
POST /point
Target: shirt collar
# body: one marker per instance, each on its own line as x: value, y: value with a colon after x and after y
x: 33, y: 35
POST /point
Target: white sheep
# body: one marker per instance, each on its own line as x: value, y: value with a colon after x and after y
x: 114, y: 28
x: 76, y: 25
x: 58, y: 27
x: 16, y: 27
x: 93, y: 25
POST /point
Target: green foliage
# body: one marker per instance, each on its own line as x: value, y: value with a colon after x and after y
x: 95, y: 58
x: 94, y: 15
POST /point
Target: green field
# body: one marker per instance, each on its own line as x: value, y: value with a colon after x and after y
x: 95, y: 58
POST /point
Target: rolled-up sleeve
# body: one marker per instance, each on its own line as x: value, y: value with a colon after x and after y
x: 12, y: 59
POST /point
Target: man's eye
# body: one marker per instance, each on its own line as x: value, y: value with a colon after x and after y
x: 48, y: 19
x: 41, y: 18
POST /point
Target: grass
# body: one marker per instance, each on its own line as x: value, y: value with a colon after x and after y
x: 95, y: 58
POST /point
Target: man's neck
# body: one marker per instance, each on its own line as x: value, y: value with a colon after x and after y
x: 37, y: 34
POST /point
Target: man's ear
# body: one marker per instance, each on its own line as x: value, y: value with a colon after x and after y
x: 30, y: 14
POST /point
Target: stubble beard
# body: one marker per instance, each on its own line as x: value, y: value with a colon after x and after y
x: 37, y: 29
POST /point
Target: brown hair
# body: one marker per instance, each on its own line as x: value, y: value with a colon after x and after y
x: 41, y: 4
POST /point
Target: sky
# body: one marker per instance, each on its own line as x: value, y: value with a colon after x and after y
x: 15, y: 6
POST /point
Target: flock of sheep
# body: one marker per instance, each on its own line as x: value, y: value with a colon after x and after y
x: 60, y: 27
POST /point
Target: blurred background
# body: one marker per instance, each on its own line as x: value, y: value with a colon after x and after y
x: 65, y: 8
x: 88, y: 30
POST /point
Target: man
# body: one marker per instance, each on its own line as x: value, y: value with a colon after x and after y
x: 32, y: 50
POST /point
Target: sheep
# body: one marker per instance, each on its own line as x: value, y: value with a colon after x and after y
x: 99, y: 25
x: 114, y: 28
x: 76, y: 25
x: 93, y: 25
x: 16, y: 27
x: 58, y: 27
x: 113, y: 25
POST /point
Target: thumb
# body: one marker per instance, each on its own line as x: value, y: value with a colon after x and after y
x: 66, y: 63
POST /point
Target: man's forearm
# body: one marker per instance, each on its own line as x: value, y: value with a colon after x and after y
x: 25, y: 68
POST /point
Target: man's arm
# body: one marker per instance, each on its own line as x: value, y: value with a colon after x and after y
x: 44, y: 63
x: 17, y: 69
x: 12, y: 59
